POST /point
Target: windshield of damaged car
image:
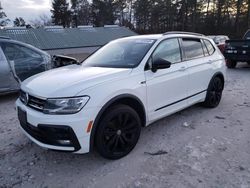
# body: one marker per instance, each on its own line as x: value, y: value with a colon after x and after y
x: 124, y: 53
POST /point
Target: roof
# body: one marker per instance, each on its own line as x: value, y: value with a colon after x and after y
x: 59, y: 38
x: 152, y: 36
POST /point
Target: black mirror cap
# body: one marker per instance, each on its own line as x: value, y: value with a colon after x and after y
x: 61, y: 60
x: 160, y: 63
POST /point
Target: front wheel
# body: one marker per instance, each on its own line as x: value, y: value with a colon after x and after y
x: 214, y: 93
x: 118, y: 132
x: 231, y: 64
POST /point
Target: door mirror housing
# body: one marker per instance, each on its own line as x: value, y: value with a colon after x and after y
x: 61, y: 60
x: 160, y: 63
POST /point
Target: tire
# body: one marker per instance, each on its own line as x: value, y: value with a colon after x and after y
x: 214, y: 93
x: 248, y: 62
x: 231, y: 64
x: 118, y: 132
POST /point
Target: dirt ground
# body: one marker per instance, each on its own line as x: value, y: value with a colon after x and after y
x: 197, y: 147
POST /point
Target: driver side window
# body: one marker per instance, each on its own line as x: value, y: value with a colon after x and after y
x: 168, y: 50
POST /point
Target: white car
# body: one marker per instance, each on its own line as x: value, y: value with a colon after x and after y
x: 126, y: 85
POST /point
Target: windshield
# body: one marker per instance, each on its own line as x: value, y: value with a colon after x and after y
x: 125, y: 53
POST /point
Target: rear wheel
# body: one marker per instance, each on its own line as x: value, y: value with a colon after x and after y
x: 118, y: 132
x: 231, y: 64
x: 248, y: 62
x: 214, y: 93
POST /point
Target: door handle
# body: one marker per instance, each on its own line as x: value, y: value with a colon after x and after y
x: 182, y: 69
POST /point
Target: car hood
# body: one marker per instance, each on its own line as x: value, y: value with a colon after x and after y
x: 70, y: 80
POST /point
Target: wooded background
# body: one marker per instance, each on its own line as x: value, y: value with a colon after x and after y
x: 210, y: 17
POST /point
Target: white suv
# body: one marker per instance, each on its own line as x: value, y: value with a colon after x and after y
x: 127, y: 84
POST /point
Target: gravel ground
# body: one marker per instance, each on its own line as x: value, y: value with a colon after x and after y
x: 197, y: 147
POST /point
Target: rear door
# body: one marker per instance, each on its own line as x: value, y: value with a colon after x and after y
x: 199, y: 65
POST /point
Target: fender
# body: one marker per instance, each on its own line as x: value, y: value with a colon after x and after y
x: 105, y: 107
x: 219, y: 74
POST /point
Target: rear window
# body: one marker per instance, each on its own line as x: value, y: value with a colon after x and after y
x: 192, y: 48
x: 206, y: 53
x: 209, y: 46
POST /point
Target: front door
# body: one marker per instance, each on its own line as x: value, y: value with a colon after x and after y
x: 5, y: 73
x: 25, y: 61
x: 167, y: 89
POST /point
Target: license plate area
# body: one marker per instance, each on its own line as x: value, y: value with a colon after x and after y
x: 22, y: 116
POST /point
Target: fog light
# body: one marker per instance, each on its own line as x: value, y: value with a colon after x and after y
x: 64, y: 142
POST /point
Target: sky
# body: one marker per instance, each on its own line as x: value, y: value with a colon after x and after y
x: 27, y: 9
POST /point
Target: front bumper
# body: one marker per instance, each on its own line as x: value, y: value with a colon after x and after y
x: 57, y: 132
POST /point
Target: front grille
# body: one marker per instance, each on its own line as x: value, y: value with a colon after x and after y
x: 36, y: 103
x: 56, y: 135
x: 31, y: 101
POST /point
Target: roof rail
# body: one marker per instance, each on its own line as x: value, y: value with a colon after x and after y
x: 4, y: 37
x: 182, y: 32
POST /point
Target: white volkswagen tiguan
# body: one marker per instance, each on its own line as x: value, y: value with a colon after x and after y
x: 126, y: 85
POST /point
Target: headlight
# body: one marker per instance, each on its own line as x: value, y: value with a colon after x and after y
x: 65, y: 105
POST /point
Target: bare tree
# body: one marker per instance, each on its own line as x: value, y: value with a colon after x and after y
x: 3, y: 18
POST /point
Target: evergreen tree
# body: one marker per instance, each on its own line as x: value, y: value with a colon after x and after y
x: 103, y: 12
x: 81, y: 14
x: 61, y: 14
x: 3, y: 18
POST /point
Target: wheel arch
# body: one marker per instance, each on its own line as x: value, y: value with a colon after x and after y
x: 127, y: 99
x: 220, y: 75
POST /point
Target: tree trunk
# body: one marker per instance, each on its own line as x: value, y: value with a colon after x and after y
x: 248, y: 15
x: 236, y: 25
x: 194, y: 16
x: 208, y: 5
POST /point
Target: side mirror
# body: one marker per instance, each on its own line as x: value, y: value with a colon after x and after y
x: 160, y: 63
x: 60, y: 61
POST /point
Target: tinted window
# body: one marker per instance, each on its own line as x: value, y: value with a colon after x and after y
x: 193, y: 48
x: 26, y: 61
x: 209, y: 46
x: 205, y: 48
x: 168, y: 50
x: 2, y: 58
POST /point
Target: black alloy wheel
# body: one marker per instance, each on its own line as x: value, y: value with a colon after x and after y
x: 118, y: 132
x: 214, y: 93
